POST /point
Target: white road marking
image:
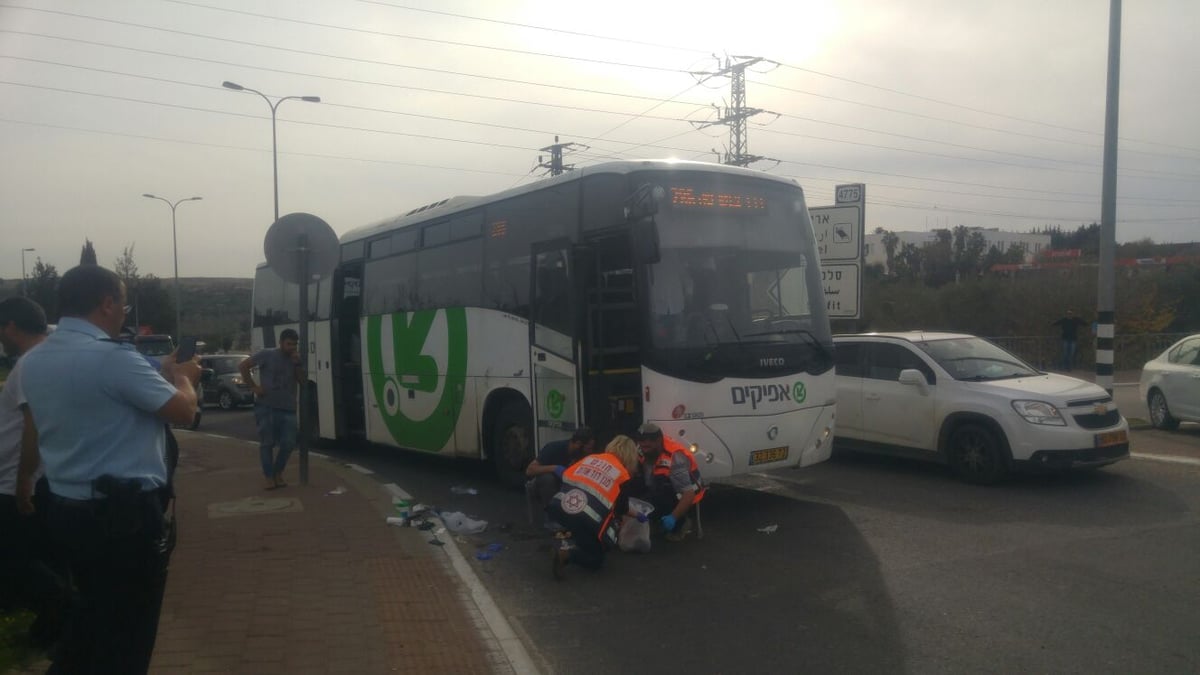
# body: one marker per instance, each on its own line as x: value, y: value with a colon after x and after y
x: 513, y: 648
x: 1191, y: 461
x: 397, y: 492
x: 361, y: 469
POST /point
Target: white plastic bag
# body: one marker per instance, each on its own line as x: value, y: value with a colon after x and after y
x: 634, y: 536
x: 458, y: 523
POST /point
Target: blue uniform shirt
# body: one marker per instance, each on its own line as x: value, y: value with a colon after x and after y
x: 95, y: 405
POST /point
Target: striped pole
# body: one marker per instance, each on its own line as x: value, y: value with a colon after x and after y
x: 1104, y: 349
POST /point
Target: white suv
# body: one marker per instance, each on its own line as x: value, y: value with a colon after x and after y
x: 962, y: 400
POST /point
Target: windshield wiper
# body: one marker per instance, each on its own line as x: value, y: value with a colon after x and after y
x: 796, y: 331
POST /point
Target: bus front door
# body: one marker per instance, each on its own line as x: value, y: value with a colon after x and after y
x: 553, y: 353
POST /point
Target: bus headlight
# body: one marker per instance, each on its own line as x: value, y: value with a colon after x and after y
x: 706, y: 456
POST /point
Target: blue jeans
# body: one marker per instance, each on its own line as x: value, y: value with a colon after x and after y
x: 1068, y: 354
x: 275, y: 427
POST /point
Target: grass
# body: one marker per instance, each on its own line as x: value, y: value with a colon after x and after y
x: 15, y: 650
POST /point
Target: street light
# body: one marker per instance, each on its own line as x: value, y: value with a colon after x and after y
x: 24, y: 281
x: 274, y: 144
x: 175, y: 246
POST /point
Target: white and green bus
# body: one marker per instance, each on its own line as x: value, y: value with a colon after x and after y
x: 680, y: 293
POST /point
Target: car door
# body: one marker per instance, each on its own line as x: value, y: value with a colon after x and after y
x: 1181, y: 380
x: 849, y: 368
x: 895, y: 413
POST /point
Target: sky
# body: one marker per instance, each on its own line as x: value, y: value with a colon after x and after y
x: 986, y: 114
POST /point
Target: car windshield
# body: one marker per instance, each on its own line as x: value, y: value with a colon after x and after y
x: 975, y: 359
x: 225, y: 365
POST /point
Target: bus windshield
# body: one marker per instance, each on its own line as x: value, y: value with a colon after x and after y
x: 737, y: 269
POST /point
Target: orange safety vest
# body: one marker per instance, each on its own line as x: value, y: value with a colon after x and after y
x: 662, y: 465
x: 590, y: 486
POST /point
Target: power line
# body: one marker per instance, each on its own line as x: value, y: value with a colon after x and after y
x: 260, y: 150
x: 438, y: 71
x: 334, y: 27
x: 530, y: 26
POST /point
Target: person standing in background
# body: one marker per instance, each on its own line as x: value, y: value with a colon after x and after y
x: 31, y: 575
x: 1070, y: 325
x: 280, y: 374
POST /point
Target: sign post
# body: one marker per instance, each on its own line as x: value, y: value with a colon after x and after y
x: 839, y: 231
x: 301, y: 248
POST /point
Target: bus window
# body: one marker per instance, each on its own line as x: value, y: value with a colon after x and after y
x: 450, y: 275
x: 467, y: 225
x: 603, y: 197
x: 438, y: 233
x: 271, y: 302
x: 381, y: 247
x: 406, y: 240
x: 353, y: 251
x: 390, y: 284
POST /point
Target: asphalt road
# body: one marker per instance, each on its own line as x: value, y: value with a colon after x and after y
x: 875, y: 565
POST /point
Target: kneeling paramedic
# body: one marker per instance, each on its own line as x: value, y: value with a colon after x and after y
x: 670, y: 480
x: 593, y: 495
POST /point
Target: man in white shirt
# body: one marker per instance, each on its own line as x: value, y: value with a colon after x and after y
x: 30, y: 574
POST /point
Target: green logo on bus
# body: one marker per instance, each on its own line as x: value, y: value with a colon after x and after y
x: 414, y: 370
x: 554, y: 403
x: 799, y: 392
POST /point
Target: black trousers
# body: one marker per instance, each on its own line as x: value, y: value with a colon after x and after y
x: 118, y: 558
x: 588, y: 550
x: 32, y: 575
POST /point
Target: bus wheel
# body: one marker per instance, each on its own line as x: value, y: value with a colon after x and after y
x: 512, y: 443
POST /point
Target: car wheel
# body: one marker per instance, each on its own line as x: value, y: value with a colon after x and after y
x: 977, y: 454
x: 1160, y: 414
x: 512, y: 443
x: 225, y: 401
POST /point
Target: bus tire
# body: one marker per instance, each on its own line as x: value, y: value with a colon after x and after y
x: 512, y: 442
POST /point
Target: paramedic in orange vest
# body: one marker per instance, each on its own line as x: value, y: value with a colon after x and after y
x: 670, y: 480
x: 589, y: 504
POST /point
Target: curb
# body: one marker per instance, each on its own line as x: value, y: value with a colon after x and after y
x: 515, y: 656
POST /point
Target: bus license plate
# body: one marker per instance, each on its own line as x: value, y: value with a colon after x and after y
x: 1111, y: 438
x: 768, y: 455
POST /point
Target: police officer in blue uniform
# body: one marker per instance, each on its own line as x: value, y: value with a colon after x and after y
x: 96, y: 410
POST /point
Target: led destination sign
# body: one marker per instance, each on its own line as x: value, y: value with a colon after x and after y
x: 690, y: 198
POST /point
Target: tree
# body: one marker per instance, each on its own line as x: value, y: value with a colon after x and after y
x: 126, y: 268
x: 908, y: 261
x: 87, y: 256
x: 939, y: 259
x: 153, y: 305
x: 890, y: 240
x: 43, y: 288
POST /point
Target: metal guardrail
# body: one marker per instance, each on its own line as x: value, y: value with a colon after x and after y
x: 1130, y: 352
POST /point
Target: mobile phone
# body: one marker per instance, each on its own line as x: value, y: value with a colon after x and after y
x: 187, y: 349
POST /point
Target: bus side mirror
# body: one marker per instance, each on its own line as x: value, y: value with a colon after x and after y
x: 645, y: 242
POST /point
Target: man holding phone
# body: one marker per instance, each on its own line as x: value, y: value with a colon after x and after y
x: 279, y: 373
x: 94, y: 410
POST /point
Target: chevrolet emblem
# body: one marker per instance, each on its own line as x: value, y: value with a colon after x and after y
x: 1100, y: 409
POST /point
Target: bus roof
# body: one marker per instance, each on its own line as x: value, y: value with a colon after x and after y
x: 453, y: 205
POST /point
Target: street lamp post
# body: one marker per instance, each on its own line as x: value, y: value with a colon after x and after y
x: 175, y: 247
x: 24, y: 281
x: 302, y: 445
x: 274, y: 143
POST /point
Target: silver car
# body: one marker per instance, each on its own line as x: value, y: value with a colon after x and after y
x: 1170, y: 384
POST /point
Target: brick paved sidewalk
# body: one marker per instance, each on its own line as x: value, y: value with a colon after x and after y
x: 295, y: 580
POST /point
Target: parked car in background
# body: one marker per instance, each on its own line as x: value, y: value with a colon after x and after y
x: 964, y: 401
x: 154, y: 345
x: 221, y: 383
x: 1170, y: 384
